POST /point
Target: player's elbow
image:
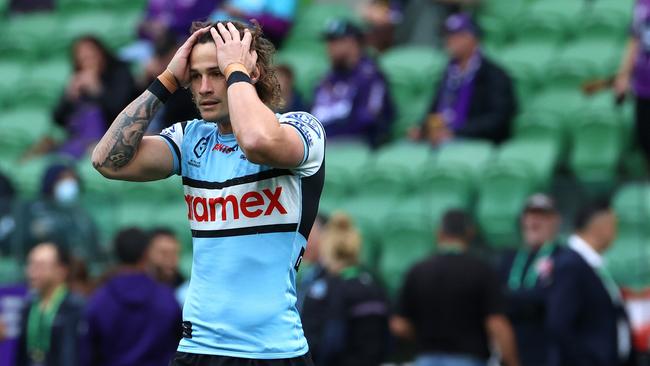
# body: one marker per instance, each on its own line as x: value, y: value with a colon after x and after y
x: 255, y: 147
x: 98, y: 164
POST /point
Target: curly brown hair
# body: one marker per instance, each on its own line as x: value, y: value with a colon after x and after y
x: 267, y: 85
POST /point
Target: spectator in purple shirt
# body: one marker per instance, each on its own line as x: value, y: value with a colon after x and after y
x: 352, y: 100
x: 99, y: 88
x: 132, y: 319
x: 634, y: 73
x: 475, y: 99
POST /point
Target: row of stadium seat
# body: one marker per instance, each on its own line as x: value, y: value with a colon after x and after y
x: 554, y: 20
x: 40, y: 35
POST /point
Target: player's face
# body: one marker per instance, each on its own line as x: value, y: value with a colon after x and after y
x: 208, y: 85
x: 539, y: 227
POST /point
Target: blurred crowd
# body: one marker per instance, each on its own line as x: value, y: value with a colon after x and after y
x: 548, y: 302
x: 353, y: 100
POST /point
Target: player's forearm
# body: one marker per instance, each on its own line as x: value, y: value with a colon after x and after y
x: 120, y: 143
x: 254, y: 124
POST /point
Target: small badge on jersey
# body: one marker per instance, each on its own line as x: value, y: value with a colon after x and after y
x: 187, y: 329
x: 299, y: 260
x: 200, y: 147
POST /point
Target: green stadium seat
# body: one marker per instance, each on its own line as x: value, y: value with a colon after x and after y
x: 368, y: 214
x: 31, y: 35
x: 344, y: 161
x: 149, y: 213
x: 605, y: 102
x: 560, y: 103
x: 398, y: 168
x: 96, y: 184
x: 597, y: 146
x: 533, y: 126
x: 369, y: 211
x: 23, y: 127
x: 556, y: 16
x: 628, y: 260
x: 311, y: 21
x: 503, y: 9
x: 27, y: 176
x: 98, y: 23
x: 412, y: 73
x: 632, y: 205
x: 502, y: 193
x: 12, y: 72
x: 539, y: 155
x: 543, y: 28
x: 527, y: 64
x: 45, y: 83
x: 605, y: 20
x: 403, y: 243
x: 126, y: 32
x: 496, y: 30
x: 449, y: 186
x: 102, y: 208
x: 308, y: 68
x: 583, y: 60
x: 11, y: 271
x: 169, y: 188
x: 130, y: 5
x: 471, y: 156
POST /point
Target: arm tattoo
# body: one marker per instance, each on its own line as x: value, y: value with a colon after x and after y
x: 122, y: 139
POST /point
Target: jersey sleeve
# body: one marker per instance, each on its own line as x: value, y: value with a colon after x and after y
x: 173, y: 136
x: 313, y: 137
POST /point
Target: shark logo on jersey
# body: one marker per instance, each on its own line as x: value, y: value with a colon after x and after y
x: 200, y: 147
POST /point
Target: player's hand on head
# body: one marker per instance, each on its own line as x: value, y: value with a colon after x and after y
x: 233, y: 48
x: 180, y: 63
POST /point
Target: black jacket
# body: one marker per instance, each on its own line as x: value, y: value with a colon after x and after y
x: 345, y: 320
x: 582, y: 318
x: 526, y: 309
x: 492, y: 106
x: 67, y: 332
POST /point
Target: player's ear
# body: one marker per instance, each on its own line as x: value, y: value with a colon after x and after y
x: 255, y: 75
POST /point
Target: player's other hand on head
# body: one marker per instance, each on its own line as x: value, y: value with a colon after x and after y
x: 233, y: 48
x: 180, y: 63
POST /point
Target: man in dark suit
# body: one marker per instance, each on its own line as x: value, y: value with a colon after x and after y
x: 52, y: 324
x: 526, y: 275
x: 475, y: 98
x: 585, y: 312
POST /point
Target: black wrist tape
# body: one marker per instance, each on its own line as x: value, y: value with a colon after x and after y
x: 158, y: 89
x: 238, y: 76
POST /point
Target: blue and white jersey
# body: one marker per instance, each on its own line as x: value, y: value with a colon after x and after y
x: 250, y: 225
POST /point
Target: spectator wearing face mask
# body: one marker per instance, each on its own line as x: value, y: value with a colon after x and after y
x: 56, y: 215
